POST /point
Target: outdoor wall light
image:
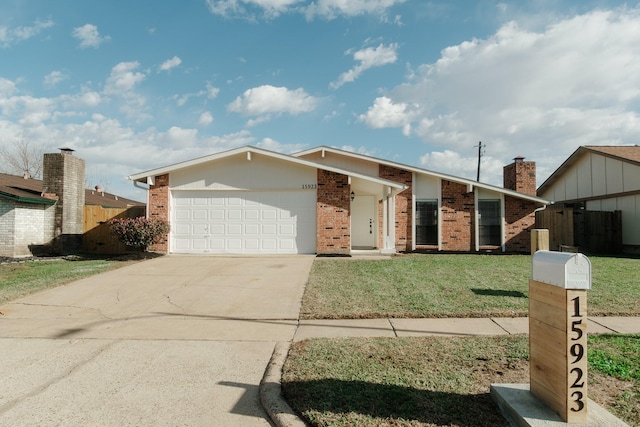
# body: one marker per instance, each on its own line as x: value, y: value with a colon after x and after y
x: 353, y: 196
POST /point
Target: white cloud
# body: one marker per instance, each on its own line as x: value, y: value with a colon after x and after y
x: 333, y: 8
x: 386, y: 114
x: 269, y: 9
x: 123, y: 78
x: 53, y: 78
x: 273, y: 145
x: 453, y: 163
x: 205, y: 119
x: 89, y: 36
x: 7, y: 87
x: 170, y: 64
x: 121, y: 82
x: 245, y: 8
x: 267, y: 100
x: 537, y: 94
x: 368, y: 58
x: 212, y: 91
x: 9, y: 36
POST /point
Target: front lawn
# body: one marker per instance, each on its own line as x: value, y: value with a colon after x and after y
x: 432, y: 381
x: 447, y: 285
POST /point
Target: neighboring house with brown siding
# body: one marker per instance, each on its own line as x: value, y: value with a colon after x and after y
x: 47, y: 215
x: 328, y: 201
x: 600, y: 178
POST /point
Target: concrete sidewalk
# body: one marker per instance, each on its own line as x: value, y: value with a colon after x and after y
x: 390, y: 327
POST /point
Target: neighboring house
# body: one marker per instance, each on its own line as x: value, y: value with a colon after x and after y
x: 600, y: 178
x: 327, y: 201
x: 47, y: 215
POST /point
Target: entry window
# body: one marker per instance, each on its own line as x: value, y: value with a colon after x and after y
x: 489, y: 220
x: 427, y: 222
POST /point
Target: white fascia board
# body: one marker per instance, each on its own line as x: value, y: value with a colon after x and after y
x: 144, y: 176
x: 465, y: 181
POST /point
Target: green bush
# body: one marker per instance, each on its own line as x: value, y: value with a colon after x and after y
x: 139, y: 233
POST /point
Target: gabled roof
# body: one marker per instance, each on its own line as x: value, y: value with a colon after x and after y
x: 624, y: 153
x: 447, y: 177
x: 28, y: 190
x: 147, y: 176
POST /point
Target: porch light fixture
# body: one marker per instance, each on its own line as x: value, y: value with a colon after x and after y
x: 353, y: 196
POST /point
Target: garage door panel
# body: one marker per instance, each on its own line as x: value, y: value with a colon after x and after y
x: 199, y: 214
x: 199, y: 229
x: 269, y: 214
x: 234, y: 214
x: 216, y: 214
x: 216, y: 229
x: 243, y: 222
x: 252, y: 214
x: 234, y: 229
x: 252, y: 229
x: 269, y: 229
x: 234, y: 244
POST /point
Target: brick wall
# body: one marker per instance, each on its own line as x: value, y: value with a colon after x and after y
x: 333, y: 214
x: 457, y: 215
x: 159, y: 208
x: 403, y: 211
x: 520, y: 176
x: 520, y: 219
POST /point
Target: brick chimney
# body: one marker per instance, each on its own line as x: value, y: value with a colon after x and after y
x: 520, y: 176
x: 64, y: 175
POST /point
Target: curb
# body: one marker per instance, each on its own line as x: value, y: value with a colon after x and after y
x: 271, y: 390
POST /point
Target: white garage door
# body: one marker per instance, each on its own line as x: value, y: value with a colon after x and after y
x: 243, y: 222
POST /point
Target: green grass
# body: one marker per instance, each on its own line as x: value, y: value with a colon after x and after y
x: 447, y: 285
x: 618, y: 356
x: 24, y: 278
x: 431, y: 381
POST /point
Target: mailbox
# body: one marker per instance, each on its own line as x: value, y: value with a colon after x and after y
x: 563, y: 269
x: 558, y: 332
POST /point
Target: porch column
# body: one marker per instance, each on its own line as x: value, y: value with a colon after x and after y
x: 389, y: 223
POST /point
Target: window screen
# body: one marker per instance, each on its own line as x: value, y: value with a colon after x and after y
x: 489, y: 220
x: 427, y: 222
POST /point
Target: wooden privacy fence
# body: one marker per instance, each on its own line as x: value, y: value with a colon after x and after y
x: 97, y: 237
x: 589, y: 231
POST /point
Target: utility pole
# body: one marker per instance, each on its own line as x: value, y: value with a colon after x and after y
x: 479, y: 159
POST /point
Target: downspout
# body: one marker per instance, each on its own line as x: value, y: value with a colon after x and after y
x: 138, y: 184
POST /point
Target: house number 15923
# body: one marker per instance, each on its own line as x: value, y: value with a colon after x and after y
x: 577, y: 348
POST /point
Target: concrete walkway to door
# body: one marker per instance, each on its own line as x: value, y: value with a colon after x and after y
x: 177, y: 340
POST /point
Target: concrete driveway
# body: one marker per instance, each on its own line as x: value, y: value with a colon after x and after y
x: 177, y: 340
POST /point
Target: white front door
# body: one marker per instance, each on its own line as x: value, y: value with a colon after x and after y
x: 363, y: 222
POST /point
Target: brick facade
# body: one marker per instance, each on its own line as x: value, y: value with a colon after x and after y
x: 403, y: 203
x: 456, y: 214
x: 333, y: 229
x: 159, y: 208
x: 520, y: 176
x: 519, y: 220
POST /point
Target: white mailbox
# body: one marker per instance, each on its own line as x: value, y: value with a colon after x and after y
x: 563, y: 269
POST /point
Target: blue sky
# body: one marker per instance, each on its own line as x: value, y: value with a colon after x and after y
x: 135, y: 85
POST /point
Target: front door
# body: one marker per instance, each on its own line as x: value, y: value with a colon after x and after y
x: 363, y: 222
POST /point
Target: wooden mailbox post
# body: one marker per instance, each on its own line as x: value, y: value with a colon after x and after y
x: 558, y: 332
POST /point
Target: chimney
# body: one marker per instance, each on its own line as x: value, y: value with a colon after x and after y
x: 64, y: 175
x: 520, y: 176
